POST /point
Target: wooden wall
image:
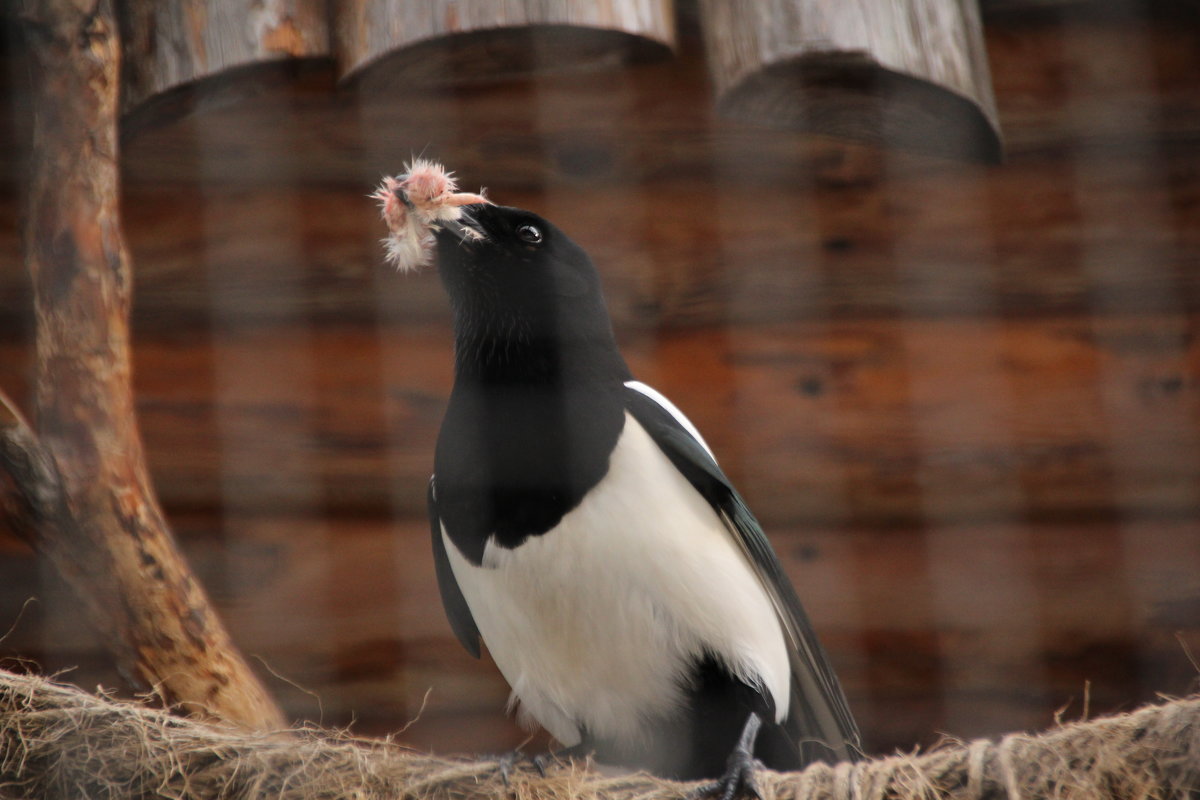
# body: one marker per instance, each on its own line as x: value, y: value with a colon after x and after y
x: 964, y: 400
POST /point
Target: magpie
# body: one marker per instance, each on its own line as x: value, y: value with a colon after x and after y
x: 583, y: 530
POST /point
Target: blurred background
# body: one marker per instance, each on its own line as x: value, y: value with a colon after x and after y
x: 961, y: 394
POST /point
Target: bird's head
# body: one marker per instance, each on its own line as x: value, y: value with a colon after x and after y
x: 507, y: 269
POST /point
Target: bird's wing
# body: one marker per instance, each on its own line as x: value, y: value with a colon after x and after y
x: 818, y: 716
x: 457, y: 610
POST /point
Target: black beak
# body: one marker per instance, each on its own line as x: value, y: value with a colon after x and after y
x: 459, y: 230
x: 464, y: 229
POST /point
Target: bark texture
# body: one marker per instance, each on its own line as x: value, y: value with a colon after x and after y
x: 910, y: 73
x: 172, y: 44
x: 450, y: 41
x: 79, y: 485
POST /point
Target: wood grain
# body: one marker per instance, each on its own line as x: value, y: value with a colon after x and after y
x: 1038, y: 238
x: 912, y: 74
x: 454, y: 41
x: 760, y: 225
x: 1052, y: 94
x: 874, y: 421
x: 169, y: 46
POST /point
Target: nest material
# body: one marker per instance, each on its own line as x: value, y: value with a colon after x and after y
x: 415, y: 202
x: 59, y: 742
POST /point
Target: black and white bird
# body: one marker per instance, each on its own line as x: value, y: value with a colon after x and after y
x: 583, y: 530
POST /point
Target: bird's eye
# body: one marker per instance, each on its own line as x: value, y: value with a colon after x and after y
x: 529, y: 234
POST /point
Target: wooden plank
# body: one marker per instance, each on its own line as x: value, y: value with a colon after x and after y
x: 1126, y: 54
x: 1004, y: 11
x: 819, y: 423
x: 1035, y: 238
x: 759, y: 225
x: 972, y: 630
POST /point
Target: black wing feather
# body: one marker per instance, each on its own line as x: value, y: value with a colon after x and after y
x: 453, y: 601
x: 819, y: 718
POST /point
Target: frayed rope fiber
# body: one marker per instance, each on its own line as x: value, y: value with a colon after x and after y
x: 57, y: 741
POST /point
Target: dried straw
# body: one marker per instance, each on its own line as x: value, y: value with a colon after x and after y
x: 59, y: 742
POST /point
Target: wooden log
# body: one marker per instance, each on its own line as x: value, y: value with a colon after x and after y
x: 1017, y: 234
x: 653, y: 123
x: 173, y: 46
x: 669, y: 130
x: 909, y: 74
x: 451, y: 41
x: 84, y: 494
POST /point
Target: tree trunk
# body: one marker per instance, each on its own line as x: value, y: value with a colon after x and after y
x: 82, y: 492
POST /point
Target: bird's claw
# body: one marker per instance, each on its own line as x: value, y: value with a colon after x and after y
x: 506, y: 764
x: 509, y: 761
x: 738, y: 782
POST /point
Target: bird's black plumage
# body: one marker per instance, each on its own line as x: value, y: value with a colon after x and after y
x: 536, y: 406
x: 540, y: 415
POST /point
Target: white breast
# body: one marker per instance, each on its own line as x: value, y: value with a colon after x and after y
x: 596, y: 622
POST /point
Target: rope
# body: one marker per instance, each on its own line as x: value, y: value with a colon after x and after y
x: 58, y: 742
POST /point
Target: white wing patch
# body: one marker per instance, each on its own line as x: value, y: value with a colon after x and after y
x: 671, y: 409
x: 597, y: 622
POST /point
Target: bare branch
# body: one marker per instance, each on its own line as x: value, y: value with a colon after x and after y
x: 34, y: 497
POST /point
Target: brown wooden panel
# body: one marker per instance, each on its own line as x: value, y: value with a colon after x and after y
x: 819, y: 423
x: 1034, y: 238
x: 693, y: 220
x: 973, y: 630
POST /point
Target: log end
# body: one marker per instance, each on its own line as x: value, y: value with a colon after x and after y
x: 226, y: 89
x: 498, y: 54
x: 852, y: 97
x: 169, y: 45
